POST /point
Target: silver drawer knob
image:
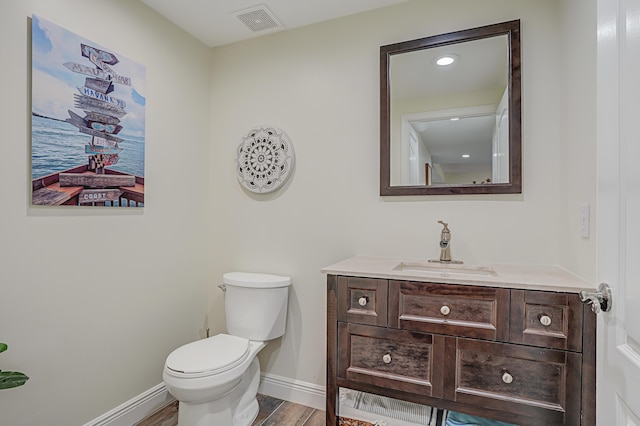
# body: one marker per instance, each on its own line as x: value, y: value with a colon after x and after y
x: 445, y: 310
x: 507, y: 378
x: 545, y: 320
x: 363, y: 301
x: 386, y: 358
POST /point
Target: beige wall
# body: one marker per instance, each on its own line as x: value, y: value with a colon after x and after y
x: 92, y: 301
x: 577, y: 147
x: 320, y: 85
x: 96, y: 340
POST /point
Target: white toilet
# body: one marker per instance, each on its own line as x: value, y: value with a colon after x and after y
x: 216, y: 379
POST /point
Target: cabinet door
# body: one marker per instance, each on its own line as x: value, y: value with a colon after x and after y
x: 546, y: 319
x: 393, y: 359
x: 362, y: 300
x: 457, y: 310
x: 542, y: 384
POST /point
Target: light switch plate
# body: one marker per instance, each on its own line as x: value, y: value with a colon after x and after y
x: 585, y: 221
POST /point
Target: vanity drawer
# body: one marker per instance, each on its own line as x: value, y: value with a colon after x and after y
x: 468, y: 311
x: 393, y: 359
x: 362, y: 300
x: 543, y: 384
x: 550, y: 320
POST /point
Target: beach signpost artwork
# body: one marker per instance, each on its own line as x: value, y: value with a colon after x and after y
x: 94, y: 98
x: 99, y: 117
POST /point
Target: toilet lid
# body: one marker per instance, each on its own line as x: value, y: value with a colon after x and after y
x: 213, y: 355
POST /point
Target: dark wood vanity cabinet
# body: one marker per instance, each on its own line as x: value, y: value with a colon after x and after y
x: 520, y: 356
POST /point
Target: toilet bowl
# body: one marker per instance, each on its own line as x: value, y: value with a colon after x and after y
x: 216, y: 379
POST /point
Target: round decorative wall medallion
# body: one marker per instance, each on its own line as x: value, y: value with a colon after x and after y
x: 265, y: 159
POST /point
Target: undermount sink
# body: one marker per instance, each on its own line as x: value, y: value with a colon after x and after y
x: 444, y: 268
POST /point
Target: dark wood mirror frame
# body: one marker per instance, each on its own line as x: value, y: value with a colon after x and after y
x: 512, y: 30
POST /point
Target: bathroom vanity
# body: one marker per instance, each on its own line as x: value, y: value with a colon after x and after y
x: 504, y: 342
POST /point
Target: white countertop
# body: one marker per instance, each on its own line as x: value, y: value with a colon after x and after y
x: 526, y: 277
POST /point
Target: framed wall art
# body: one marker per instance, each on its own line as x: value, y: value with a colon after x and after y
x: 88, y: 122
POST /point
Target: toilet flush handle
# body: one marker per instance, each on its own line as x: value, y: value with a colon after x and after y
x: 222, y: 287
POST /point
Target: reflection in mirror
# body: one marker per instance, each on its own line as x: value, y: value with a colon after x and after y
x: 457, y: 143
x: 452, y: 128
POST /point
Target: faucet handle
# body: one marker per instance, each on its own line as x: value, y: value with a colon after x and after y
x: 446, y: 225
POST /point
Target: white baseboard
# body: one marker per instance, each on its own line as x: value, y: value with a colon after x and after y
x: 136, y: 409
x: 304, y: 393
x: 148, y: 402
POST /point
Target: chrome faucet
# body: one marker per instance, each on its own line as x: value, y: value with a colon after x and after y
x: 445, y: 245
x: 445, y: 238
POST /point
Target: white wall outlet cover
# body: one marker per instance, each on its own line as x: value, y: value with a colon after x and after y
x: 265, y: 159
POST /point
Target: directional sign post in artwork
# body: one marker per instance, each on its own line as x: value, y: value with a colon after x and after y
x: 98, y: 73
x: 98, y: 195
x: 102, y: 86
x: 101, y: 55
x: 94, y: 149
x: 86, y: 102
x: 103, y: 112
x: 102, y: 118
x: 85, y: 91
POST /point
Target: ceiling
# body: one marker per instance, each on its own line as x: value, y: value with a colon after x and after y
x: 217, y: 22
x: 481, y: 66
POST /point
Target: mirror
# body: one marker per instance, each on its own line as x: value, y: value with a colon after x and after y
x: 453, y: 128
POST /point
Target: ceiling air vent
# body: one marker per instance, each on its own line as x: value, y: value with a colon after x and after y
x: 258, y: 18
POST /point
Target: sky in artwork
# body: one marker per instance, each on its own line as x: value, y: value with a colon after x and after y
x: 53, y: 85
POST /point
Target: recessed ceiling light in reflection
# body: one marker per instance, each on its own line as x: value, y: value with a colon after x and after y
x: 466, y: 156
x: 446, y: 60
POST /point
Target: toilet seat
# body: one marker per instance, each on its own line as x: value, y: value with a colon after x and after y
x: 208, y: 357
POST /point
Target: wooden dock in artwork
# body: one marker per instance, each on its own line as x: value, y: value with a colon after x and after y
x: 80, y: 186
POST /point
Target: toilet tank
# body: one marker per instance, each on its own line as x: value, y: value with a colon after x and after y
x: 256, y: 304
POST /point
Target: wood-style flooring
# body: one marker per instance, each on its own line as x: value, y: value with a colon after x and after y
x: 273, y: 412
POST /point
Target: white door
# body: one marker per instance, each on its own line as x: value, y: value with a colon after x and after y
x: 618, y: 157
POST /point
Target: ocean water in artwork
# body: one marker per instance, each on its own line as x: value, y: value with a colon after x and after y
x: 58, y: 146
